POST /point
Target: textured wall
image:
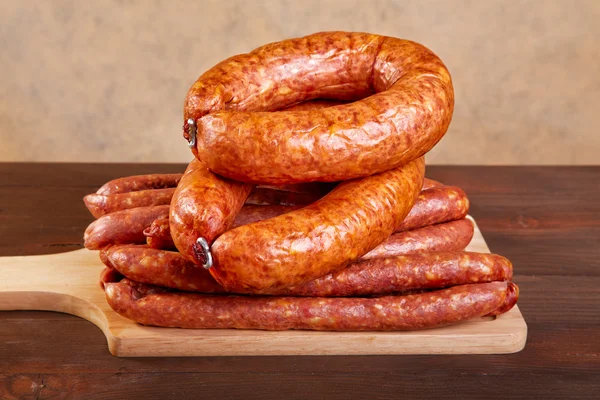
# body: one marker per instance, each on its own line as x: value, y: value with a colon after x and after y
x: 105, y: 80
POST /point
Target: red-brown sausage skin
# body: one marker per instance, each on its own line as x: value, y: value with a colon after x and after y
x: 261, y: 196
x: 139, y: 182
x: 163, y: 268
x: 122, y: 227
x: 143, y: 289
x: 449, y: 236
x: 204, y: 205
x: 430, y: 183
x: 316, y: 104
x: 371, y: 277
x: 104, y: 257
x: 511, y: 299
x: 408, y: 272
x: 99, y: 204
x: 250, y: 214
x: 436, y: 205
x: 408, y: 114
x: 158, y: 235
x: 108, y: 275
x: 386, y: 313
x: 320, y: 238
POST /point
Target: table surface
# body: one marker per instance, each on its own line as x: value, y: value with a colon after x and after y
x: 545, y: 219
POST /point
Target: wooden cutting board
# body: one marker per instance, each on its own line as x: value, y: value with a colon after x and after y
x: 68, y: 283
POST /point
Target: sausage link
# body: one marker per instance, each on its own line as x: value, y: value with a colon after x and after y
x: 320, y: 238
x: 430, y: 183
x: 511, y: 299
x: 163, y: 268
x: 158, y: 235
x: 143, y: 289
x: 104, y: 256
x: 108, y: 275
x: 408, y: 272
x: 122, y: 227
x: 250, y: 214
x: 375, y: 276
x: 139, y: 182
x: 386, y: 313
x: 99, y: 204
x: 408, y: 114
x: 449, y: 236
x: 203, y: 206
x: 436, y: 205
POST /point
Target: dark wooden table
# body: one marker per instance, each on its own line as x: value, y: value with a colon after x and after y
x: 545, y: 219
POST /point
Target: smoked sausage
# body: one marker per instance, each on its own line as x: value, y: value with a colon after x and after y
x: 99, y: 204
x: 122, y: 227
x: 430, y: 183
x: 408, y: 272
x: 162, y: 268
x: 375, y: 276
x: 109, y: 274
x: 436, y: 205
x: 449, y: 236
x: 139, y: 182
x: 320, y: 238
x: 158, y: 235
x: 203, y: 207
x: 406, y: 105
x: 385, y: 313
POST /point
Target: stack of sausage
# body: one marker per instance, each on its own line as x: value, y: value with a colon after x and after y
x: 317, y: 216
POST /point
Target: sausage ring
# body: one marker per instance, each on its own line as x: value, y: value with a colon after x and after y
x: 406, y: 107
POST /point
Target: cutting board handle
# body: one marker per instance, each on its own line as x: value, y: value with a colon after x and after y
x: 47, y: 282
x: 65, y: 282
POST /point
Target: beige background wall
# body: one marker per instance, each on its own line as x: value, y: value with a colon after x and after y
x: 105, y: 80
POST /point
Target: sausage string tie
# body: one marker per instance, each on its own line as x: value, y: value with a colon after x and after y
x: 191, y: 125
x: 202, y: 253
